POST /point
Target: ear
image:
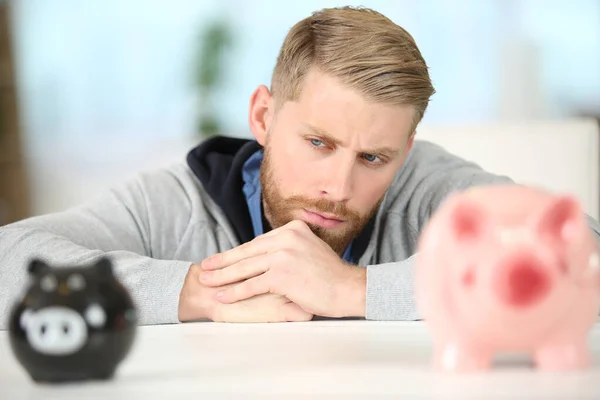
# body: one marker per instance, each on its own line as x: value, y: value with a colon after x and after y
x: 261, y: 113
x: 103, y: 267
x: 37, y: 267
x: 410, y: 142
x: 468, y: 220
x: 559, y: 220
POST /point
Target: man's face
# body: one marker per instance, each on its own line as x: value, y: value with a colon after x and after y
x: 330, y: 157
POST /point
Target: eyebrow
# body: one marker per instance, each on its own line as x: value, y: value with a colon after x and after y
x: 380, y: 150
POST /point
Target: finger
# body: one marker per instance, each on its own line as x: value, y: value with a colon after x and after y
x: 292, y: 312
x: 294, y: 225
x: 257, y: 246
x: 270, y: 241
x: 244, y: 290
x: 240, y: 271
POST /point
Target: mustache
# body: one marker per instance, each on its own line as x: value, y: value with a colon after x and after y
x: 323, y: 205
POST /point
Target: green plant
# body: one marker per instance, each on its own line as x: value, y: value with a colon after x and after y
x: 215, y: 40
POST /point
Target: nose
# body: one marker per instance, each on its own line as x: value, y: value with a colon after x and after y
x: 337, y: 181
x: 523, y: 283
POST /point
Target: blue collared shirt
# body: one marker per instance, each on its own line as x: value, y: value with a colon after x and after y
x: 252, y: 191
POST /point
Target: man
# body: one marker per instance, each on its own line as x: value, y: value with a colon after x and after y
x: 319, y: 216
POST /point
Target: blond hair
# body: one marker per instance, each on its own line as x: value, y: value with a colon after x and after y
x: 364, y: 49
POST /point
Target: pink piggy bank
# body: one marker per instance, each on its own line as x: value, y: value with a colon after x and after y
x: 508, y: 268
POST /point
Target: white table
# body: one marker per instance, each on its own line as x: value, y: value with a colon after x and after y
x: 316, y: 360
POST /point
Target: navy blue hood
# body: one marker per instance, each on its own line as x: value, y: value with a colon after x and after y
x: 218, y: 162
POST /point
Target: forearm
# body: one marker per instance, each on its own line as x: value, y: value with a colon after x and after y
x: 154, y: 284
x: 595, y: 227
x: 390, y: 287
x: 352, y: 293
x: 115, y: 224
x: 390, y: 291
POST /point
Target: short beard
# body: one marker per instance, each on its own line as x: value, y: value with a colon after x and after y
x: 278, y: 210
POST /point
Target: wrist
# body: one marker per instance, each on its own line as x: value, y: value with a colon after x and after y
x: 193, y: 301
x: 353, y: 293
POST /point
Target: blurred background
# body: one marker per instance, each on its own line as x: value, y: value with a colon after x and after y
x: 92, y: 92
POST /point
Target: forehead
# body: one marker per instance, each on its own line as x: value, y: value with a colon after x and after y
x: 343, y: 112
x: 63, y: 272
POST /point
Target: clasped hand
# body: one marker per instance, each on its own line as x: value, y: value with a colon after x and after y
x: 292, y: 263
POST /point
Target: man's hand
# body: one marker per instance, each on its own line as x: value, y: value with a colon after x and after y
x: 293, y: 262
x: 197, y: 301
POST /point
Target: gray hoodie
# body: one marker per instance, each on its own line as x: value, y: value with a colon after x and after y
x: 156, y: 225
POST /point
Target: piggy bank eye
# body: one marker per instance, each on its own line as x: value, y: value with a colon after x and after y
x: 95, y: 316
x: 75, y: 282
x: 48, y: 283
x: 594, y: 262
x: 24, y: 319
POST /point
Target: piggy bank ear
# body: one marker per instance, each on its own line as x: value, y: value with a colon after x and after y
x: 468, y: 220
x: 37, y: 267
x: 558, y: 221
x: 103, y: 267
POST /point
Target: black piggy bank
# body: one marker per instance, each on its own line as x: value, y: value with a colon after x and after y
x: 74, y: 323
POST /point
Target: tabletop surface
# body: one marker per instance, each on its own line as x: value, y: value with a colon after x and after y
x: 318, y: 359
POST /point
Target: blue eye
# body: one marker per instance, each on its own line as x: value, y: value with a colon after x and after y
x: 370, y: 158
x: 316, y: 142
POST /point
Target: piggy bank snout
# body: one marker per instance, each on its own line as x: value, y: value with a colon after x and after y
x: 58, y: 330
x: 523, y: 282
x: 55, y: 330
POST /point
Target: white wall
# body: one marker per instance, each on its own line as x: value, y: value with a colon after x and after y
x: 117, y: 75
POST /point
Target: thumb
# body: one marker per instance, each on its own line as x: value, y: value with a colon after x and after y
x: 292, y: 312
